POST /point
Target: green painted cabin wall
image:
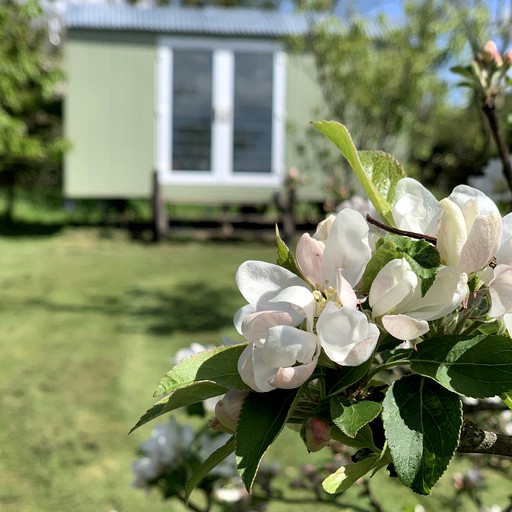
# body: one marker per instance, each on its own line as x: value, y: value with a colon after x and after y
x: 304, y: 100
x: 109, y: 119
x: 109, y: 112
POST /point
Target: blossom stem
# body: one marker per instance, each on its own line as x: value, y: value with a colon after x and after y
x: 396, y: 231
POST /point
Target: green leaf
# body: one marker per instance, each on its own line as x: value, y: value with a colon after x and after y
x: 344, y: 376
x: 285, y: 257
x: 181, y: 397
x: 363, y: 438
x: 507, y: 398
x: 350, y: 417
x: 339, y: 135
x: 218, y: 366
x: 422, y: 422
x: 348, y: 475
x: 420, y: 254
x: 384, y: 171
x: 210, y: 463
x: 261, y: 420
x: 476, y: 366
x: 466, y: 72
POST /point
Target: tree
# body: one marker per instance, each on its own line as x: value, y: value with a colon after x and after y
x: 389, y: 82
x: 30, y: 128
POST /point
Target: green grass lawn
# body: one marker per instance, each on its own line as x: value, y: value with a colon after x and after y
x: 88, y: 327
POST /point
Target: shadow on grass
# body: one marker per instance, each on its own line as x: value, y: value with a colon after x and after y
x: 29, y: 229
x: 192, y: 306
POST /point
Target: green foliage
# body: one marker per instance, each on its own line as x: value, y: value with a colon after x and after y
x: 207, y: 374
x: 182, y: 396
x: 285, y: 257
x: 351, y: 417
x: 388, y: 81
x: 421, y: 256
x: 206, y: 466
x: 30, y: 125
x: 217, y: 366
x: 348, y: 475
x: 363, y: 439
x: 341, y: 377
x: 422, y: 421
x: 379, y: 173
x: 262, y: 419
x: 476, y: 366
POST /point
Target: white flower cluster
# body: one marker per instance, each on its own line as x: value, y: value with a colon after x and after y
x: 290, y: 319
x: 171, y: 445
x: 167, y: 444
x: 492, y: 182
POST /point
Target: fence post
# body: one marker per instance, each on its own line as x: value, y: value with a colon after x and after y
x: 285, y: 202
x: 160, y: 222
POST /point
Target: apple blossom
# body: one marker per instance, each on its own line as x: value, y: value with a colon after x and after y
x: 467, y: 224
x: 346, y: 335
x: 227, y: 410
x: 276, y: 296
x: 344, y: 245
x: 395, y: 297
x: 273, y: 364
x: 468, y: 236
x: 281, y: 355
x: 415, y: 209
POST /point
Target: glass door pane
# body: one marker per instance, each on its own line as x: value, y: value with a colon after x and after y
x: 253, y: 113
x: 192, y: 110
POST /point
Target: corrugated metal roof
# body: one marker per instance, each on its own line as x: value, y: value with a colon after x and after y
x: 208, y: 20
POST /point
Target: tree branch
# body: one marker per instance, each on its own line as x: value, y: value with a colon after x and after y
x: 489, y: 111
x: 473, y: 439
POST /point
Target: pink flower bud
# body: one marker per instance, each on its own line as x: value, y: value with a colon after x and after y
x: 315, y: 433
x: 489, y: 53
x: 227, y: 411
x: 507, y: 59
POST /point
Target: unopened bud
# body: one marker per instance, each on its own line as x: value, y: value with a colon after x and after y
x: 489, y: 53
x: 227, y: 411
x: 507, y: 59
x: 315, y: 433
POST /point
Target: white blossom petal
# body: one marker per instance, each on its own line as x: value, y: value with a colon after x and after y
x: 341, y: 330
x: 345, y: 292
x: 482, y: 243
x: 293, y: 377
x: 309, y: 255
x: 394, y: 283
x: 444, y: 296
x: 415, y: 209
x: 324, y: 227
x: 255, y: 327
x: 461, y: 194
x: 299, y: 298
x: 346, y: 248
x: 500, y: 290
x: 452, y: 233
x: 507, y: 320
x: 504, y: 253
x: 254, y: 371
x: 404, y: 327
x: 259, y: 282
x: 241, y: 315
x: 362, y: 350
x: 286, y: 346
